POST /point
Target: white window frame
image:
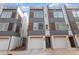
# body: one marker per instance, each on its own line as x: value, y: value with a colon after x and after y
x: 38, y: 14
x: 4, y: 26
x: 62, y: 23
x: 58, y: 14
x: 0, y: 11
x: 42, y: 24
x: 6, y: 14
x: 36, y: 26
x: 75, y: 13
x: 77, y: 23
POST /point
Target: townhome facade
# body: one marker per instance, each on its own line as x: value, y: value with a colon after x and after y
x: 53, y: 27
x: 10, y: 27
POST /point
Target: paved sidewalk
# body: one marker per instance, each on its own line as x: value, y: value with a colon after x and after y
x: 43, y: 52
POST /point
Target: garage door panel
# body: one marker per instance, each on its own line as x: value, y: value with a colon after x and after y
x: 60, y: 42
x: 4, y: 44
x: 36, y: 43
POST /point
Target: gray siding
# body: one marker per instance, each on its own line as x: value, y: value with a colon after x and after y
x: 37, y: 19
x: 41, y: 32
x: 8, y: 33
x: 59, y: 32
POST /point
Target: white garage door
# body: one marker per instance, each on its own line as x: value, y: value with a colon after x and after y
x: 4, y: 44
x: 36, y: 43
x: 60, y: 42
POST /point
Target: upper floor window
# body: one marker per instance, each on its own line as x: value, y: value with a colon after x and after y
x: 38, y: 14
x: 60, y: 26
x: 38, y: 26
x: 0, y: 11
x: 4, y: 26
x: 75, y: 13
x: 58, y: 14
x: 35, y: 26
x: 6, y: 14
x: 77, y: 23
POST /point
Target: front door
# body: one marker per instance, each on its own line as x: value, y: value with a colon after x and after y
x: 48, y: 42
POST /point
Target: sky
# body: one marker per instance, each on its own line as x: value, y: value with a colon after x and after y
x: 24, y: 5
x: 35, y: 4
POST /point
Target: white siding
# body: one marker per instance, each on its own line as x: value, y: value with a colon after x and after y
x: 15, y: 42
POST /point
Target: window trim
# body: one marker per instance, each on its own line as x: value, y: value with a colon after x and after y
x: 56, y: 14
x: 37, y: 14
x: 6, y: 14
x: 4, y: 26
x: 36, y: 24
x: 75, y: 13
x: 57, y: 24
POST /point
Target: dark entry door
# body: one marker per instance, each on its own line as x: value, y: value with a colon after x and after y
x: 72, y: 42
x: 48, y: 42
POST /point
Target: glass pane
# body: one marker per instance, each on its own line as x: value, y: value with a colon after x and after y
x: 60, y: 26
x: 35, y: 26
x: 6, y: 14
x: 4, y: 26
x: 0, y: 11
x: 38, y: 14
x: 40, y: 26
x: 74, y: 13
x: 58, y: 14
x: 78, y: 13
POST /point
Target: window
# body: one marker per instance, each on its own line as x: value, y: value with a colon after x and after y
x: 75, y: 13
x: 77, y: 23
x: 0, y: 11
x: 10, y: 26
x: 60, y: 26
x: 58, y: 14
x: 4, y: 26
x: 40, y: 26
x: 37, y: 26
x: 6, y: 14
x: 38, y: 14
